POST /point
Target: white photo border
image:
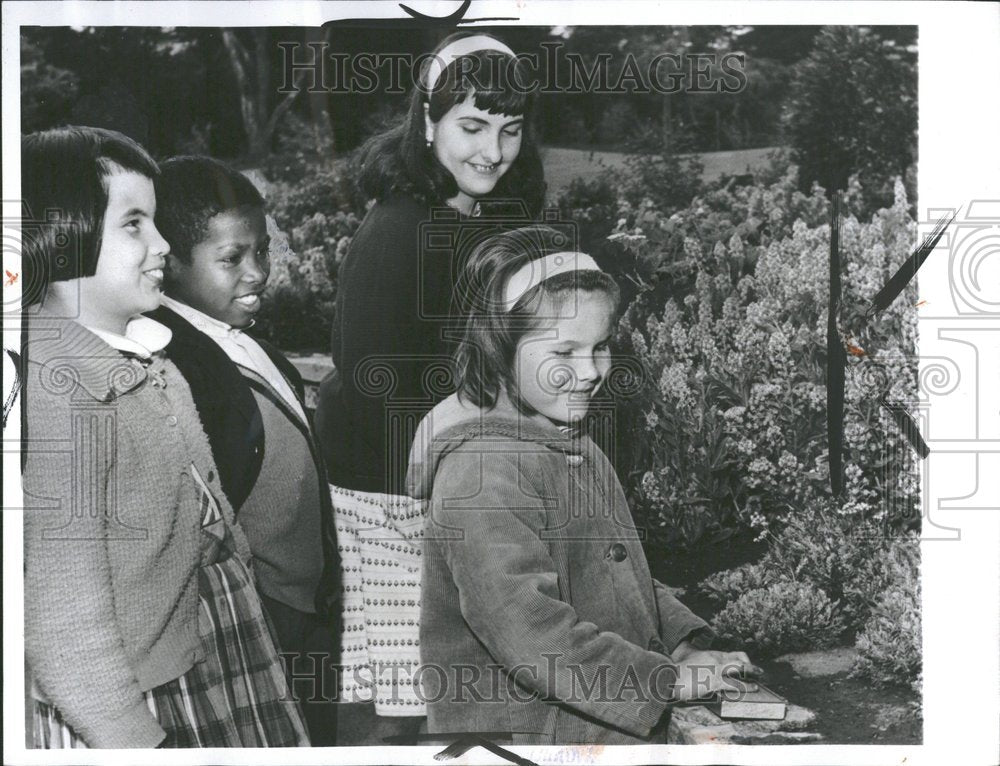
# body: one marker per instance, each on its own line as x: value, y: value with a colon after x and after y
x: 959, y: 163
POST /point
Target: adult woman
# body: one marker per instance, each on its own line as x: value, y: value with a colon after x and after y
x: 464, y: 145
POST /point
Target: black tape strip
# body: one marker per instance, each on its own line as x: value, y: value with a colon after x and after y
x: 836, y: 361
x: 468, y: 741
x: 898, y: 281
x: 882, y: 300
x: 906, y: 423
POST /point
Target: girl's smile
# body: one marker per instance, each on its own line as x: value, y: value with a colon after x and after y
x: 227, y: 270
x: 155, y: 275
x: 485, y: 169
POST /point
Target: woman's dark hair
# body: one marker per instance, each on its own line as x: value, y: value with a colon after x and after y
x: 191, y: 190
x: 64, y: 187
x: 484, y: 361
x: 399, y: 160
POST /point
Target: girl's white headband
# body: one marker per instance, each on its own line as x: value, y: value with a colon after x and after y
x: 535, y: 272
x: 457, y: 49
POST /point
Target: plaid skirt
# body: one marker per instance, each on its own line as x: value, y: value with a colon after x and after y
x: 237, y: 696
x: 379, y: 537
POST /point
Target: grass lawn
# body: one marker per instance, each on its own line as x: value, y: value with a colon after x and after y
x: 563, y: 165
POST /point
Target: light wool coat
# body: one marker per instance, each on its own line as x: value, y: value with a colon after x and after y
x: 539, y: 616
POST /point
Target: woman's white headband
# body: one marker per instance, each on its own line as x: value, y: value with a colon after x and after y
x: 457, y: 49
x: 535, y: 272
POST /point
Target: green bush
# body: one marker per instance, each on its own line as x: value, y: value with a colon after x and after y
x: 783, y: 617
x: 851, y: 110
x: 326, y: 190
x: 825, y: 545
x: 889, y: 648
x: 47, y: 92
x: 836, y: 552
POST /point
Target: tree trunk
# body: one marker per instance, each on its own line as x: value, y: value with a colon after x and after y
x: 253, y: 78
x: 239, y: 60
x: 319, y: 107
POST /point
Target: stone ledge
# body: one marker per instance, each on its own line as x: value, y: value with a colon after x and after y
x: 818, y: 664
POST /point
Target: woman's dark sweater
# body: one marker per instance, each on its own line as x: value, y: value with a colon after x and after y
x: 391, y: 340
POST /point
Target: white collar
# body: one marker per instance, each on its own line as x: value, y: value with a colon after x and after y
x: 143, y: 337
x: 202, y: 321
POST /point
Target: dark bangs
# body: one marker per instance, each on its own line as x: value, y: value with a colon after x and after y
x: 564, y: 287
x: 489, y: 77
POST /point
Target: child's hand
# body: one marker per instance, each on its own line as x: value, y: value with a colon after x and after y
x: 702, y: 673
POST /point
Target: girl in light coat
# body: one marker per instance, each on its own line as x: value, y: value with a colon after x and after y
x: 539, y: 617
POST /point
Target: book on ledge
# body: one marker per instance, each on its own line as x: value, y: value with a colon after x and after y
x: 748, y: 700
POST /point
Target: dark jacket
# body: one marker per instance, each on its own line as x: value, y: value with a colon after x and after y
x: 532, y: 562
x: 225, y: 402
x: 232, y: 420
x: 393, y: 335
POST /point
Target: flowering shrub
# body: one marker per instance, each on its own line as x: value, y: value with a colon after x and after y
x: 783, y: 617
x: 729, y: 584
x: 836, y: 552
x: 731, y: 332
x: 729, y: 430
x: 889, y: 649
x: 311, y: 225
x: 854, y: 563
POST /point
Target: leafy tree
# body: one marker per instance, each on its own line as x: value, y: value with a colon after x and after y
x: 250, y: 59
x: 48, y: 92
x: 852, y: 110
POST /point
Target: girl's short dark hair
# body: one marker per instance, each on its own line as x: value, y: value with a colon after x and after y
x: 64, y: 187
x: 190, y: 190
x: 484, y: 361
x: 399, y: 161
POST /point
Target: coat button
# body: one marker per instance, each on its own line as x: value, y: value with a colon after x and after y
x: 171, y: 420
x: 618, y: 552
x: 211, y: 475
x: 574, y: 460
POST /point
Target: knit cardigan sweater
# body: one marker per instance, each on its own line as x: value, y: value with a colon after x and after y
x: 111, y: 530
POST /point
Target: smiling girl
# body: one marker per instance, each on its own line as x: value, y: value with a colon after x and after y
x: 142, y: 626
x: 465, y: 144
x: 539, y: 618
x: 466, y: 140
